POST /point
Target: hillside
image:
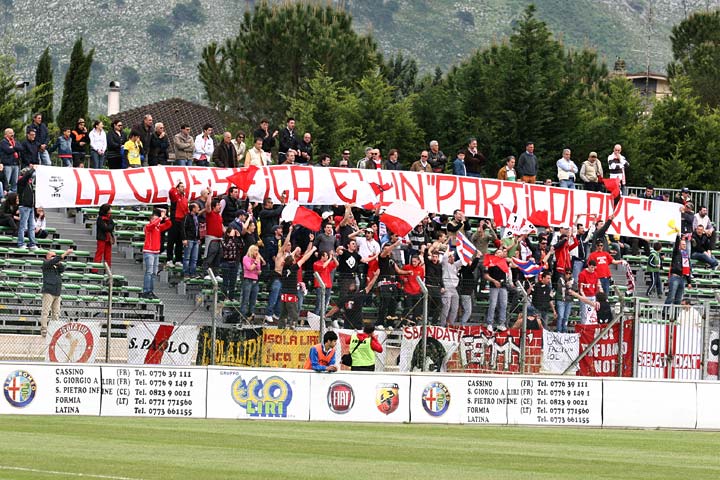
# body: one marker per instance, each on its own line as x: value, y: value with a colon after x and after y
x: 153, y: 46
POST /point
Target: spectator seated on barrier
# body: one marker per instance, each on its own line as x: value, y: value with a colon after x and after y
x: 702, y: 218
x: 701, y: 250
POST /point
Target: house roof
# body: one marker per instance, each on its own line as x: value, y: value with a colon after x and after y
x: 656, y: 76
x: 173, y: 112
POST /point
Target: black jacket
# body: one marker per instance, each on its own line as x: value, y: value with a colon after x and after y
x: 52, y: 275
x: 29, y: 153
x: 225, y: 156
x: 288, y: 140
x: 158, y: 150
x: 268, y: 139
x: 676, y: 262
x: 114, y: 142
x: 26, y: 188
x: 191, y: 228
x: 104, y: 228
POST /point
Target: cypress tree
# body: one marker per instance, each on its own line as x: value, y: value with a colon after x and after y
x: 44, y: 88
x: 75, y: 89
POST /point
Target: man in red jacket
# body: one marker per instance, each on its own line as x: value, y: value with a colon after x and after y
x: 588, y: 285
x: 178, y: 210
x: 151, y: 250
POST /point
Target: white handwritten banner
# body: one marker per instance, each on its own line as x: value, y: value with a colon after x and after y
x: 437, y: 193
x: 559, y: 351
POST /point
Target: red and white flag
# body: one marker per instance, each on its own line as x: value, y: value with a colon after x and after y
x: 401, y: 217
x: 501, y: 215
x: 299, y: 215
x: 162, y: 344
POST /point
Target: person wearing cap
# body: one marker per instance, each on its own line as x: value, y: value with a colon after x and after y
x: 527, y: 164
x: 591, y: 173
x: 534, y: 321
x: 241, y: 221
x: 566, y: 170
x: 363, y: 347
x: 683, y: 198
x: 151, y: 249
x: 368, y: 249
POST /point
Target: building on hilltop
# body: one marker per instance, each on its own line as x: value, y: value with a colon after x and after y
x: 174, y: 112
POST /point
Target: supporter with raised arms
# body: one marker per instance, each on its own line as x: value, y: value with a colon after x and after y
x: 151, y: 249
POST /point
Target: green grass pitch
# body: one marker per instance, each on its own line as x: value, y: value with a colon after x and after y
x: 134, y: 448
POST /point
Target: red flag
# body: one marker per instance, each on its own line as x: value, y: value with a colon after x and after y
x: 379, y: 188
x: 612, y: 185
x: 244, y: 178
x: 300, y: 215
x: 539, y: 217
x: 501, y: 214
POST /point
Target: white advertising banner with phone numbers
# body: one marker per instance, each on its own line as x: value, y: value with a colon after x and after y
x: 437, y: 193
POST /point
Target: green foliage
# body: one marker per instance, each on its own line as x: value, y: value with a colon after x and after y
x: 13, y: 103
x: 402, y: 74
x: 696, y: 53
x: 276, y: 52
x: 75, y: 90
x: 367, y: 115
x: 44, y: 87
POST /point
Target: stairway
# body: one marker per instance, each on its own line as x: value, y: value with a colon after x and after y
x: 178, y: 309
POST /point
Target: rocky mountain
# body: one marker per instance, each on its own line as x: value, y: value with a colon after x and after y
x: 152, y: 47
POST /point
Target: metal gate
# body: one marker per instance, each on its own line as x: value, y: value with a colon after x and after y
x: 670, y: 341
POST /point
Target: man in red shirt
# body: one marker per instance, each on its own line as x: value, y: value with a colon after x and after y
x: 603, y: 260
x: 411, y: 287
x: 214, y: 233
x: 178, y: 210
x: 588, y: 284
x: 151, y: 249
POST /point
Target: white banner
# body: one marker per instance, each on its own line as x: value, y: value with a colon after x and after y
x: 153, y: 391
x: 653, y: 344
x: 162, y: 344
x: 359, y: 397
x: 437, y: 193
x: 258, y: 394
x: 33, y: 389
x: 559, y: 351
x: 441, y: 344
x: 73, y: 342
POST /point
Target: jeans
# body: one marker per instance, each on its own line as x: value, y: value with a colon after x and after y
x: 190, y: 256
x: 44, y: 158
x: 249, y: 297
x: 97, y: 160
x: 676, y: 289
x: 183, y: 163
x: 229, y: 276
x: 498, y: 300
x: 466, y: 302
x: 655, y: 284
x: 567, y: 184
x: 605, y: 283
x: 705, y: 258
x: 151, y: 261
x: 577, y: 266
x: 11, y: 174
x: 563, y: 313
x: 328, y: 292
x: 273, y: 305
x: 27, y: 220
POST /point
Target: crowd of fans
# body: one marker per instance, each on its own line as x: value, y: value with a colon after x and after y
x: 359, y: 260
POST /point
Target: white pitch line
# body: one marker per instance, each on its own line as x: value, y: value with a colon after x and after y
x: 74, y: 474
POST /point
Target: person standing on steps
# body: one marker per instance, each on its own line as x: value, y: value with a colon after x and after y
x: 151, y: 250
x: 52, y: 270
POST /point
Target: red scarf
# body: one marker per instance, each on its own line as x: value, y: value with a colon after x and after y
x: 11, y: 141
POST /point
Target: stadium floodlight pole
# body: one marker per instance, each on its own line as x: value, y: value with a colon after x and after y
x: 109, y: 312
x: 321, y: 300
x: 214, y: 313
x: 424, y: 290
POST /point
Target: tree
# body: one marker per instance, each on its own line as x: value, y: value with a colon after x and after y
x: 75, y: 89
x: 696, y: 54
x: 44, y: 87
x: 276, y: 52
x: 401, y: 73
x: 13, y: 103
